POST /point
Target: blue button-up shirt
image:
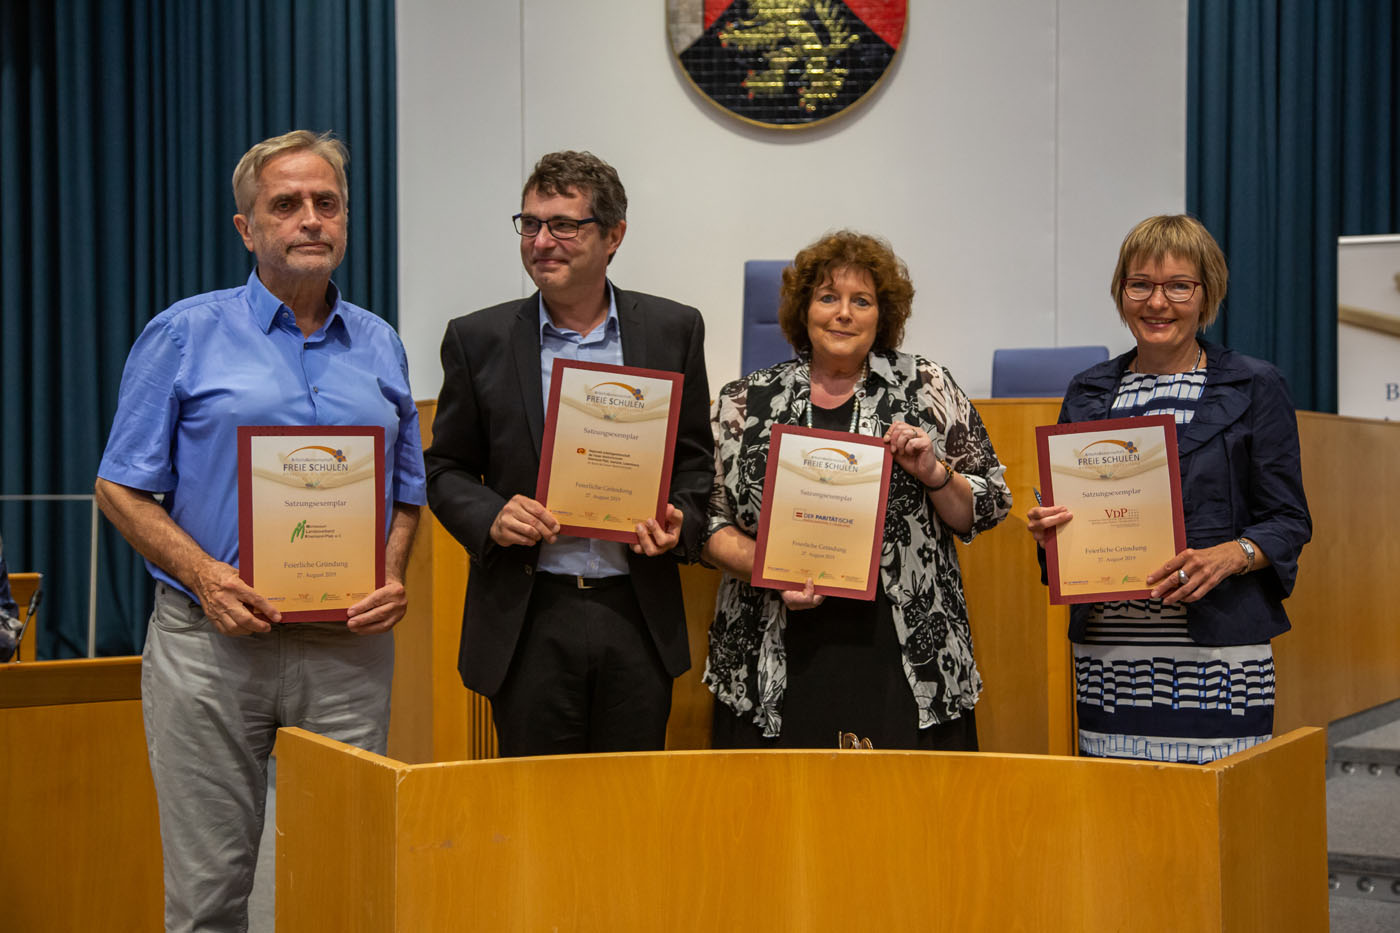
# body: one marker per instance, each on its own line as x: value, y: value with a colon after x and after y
x: 583, y: 557
x: 210, y: 363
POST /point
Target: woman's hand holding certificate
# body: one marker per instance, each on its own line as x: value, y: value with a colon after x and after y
x: 823, y: 517
x: 1121, y: 478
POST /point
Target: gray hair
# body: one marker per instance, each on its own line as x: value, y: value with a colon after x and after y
x: 245, y: 175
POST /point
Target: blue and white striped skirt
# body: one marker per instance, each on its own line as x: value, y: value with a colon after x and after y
x: 1145, y: 690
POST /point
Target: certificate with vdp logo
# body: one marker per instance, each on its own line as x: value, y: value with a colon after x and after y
x: 823, y: 514
x: 1121, y: 481
x: 311, y: 517
x: 609, y: 438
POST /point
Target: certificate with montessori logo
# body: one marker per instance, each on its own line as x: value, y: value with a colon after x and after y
x: 609, y: 438
x: 1122, y: 482
x: 823, y: 514
x: 311, y: 517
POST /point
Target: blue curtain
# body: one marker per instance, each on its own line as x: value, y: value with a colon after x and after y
x: 1291, y: 141
x: 120, y: 125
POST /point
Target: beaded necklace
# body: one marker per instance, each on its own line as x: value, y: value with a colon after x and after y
x: 855, y: 409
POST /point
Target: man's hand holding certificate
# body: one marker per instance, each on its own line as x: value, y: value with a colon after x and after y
x: 311, y: 517
x: 609, y: 440
x: 1120, y: 480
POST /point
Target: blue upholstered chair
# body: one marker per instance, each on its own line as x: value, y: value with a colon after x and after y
x: 763, y: 341
x: 1040, y: 372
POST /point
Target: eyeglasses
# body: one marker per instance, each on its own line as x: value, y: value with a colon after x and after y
x: 561, y: 228
x: 1177, y: 290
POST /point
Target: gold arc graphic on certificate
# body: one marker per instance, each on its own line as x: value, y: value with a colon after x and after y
x: 1153, y: 459
x: 867, y: 472
x: 362, y: 468
x: 654, y: 408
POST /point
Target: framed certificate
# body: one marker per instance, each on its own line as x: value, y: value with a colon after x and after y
x: 609, y: 438
x: 1122, y: 481
x: 823, y: 514
x: 311, y: 517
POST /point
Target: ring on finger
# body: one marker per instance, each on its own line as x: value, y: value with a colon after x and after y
x: 1181, y: 578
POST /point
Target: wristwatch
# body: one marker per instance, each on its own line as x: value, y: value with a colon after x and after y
x: 1248, y: 555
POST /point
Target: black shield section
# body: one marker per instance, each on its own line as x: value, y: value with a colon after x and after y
x: 786, y: 73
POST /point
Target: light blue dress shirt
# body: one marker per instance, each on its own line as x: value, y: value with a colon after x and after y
x: 215, y: 361
x: 582, y: 557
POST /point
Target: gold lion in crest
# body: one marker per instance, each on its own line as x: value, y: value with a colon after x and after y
x: 785, y: 33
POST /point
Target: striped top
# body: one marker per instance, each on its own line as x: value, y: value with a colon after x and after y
x: 1151, y: 394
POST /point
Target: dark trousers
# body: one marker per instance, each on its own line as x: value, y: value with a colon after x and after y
x: 586, y: 676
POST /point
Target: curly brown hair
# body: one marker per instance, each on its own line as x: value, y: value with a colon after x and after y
x: 846, y: 249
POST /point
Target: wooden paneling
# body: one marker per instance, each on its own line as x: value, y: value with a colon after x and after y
x: 1343, y: 654
x: 432, y: 716
x: 692, y: 704
x: 80, y: 841
x: 1268, y: 803
x: 799, y: 841
x: 89, y: 680
x: 338, y: 825
x: 1019, y: 639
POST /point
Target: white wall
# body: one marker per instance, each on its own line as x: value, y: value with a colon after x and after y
x: 992, y: 157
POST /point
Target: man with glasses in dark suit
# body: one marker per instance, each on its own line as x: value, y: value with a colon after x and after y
x: 576, y: 641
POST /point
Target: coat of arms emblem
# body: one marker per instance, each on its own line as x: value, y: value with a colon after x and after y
x: 785, y: 63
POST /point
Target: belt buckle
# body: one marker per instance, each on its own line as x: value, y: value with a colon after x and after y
x: 581, y: 583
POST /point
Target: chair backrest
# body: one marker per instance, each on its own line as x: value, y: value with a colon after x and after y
x: 763, y: 340
x: 1040, y: 372
x: 26, y: 589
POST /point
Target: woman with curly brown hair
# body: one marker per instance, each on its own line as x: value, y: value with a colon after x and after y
x: 793, y: 668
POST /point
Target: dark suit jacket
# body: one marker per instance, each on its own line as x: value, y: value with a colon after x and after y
x: 1241, y: 476
x: 486, y: 448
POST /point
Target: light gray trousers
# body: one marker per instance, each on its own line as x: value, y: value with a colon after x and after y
x: 212, y: 705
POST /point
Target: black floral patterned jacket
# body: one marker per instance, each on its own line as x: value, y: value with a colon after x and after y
x: 747, y: 664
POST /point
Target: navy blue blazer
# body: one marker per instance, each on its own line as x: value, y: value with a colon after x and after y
x: 1240, y: 477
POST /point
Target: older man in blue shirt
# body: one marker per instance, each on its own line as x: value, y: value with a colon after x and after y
x: 219, y: 675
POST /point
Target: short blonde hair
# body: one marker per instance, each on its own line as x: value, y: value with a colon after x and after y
x: 245, y: 174
x: 1183, y: 237
x: 846, y: 249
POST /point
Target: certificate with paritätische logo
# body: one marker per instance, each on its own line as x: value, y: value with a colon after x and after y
x: 311, y: 516
x: 1121, y: 481
x: 823, y: 515
x: 609, y: 440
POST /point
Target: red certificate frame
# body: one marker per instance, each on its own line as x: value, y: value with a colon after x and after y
x: 585, y: 513
x: 1115, y: 538
x: 328, y: 505
x: 831, y: 521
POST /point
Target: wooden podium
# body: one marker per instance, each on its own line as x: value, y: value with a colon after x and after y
x: 79, y: 838
x: 817, y: 840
